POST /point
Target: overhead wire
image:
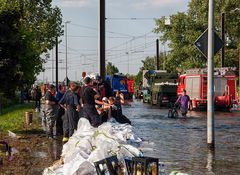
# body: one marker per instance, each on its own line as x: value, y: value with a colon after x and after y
x: 133, y: 18
x: 93, y: 28
x: 109, y: 54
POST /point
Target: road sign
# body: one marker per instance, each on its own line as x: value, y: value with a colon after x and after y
x: 202, y: 43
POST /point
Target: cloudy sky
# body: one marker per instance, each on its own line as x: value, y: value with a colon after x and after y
x: 129, y: 37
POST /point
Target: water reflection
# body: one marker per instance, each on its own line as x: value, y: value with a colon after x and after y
x: 55, y: 149
x: 210, y: 162
x: 181, y: 143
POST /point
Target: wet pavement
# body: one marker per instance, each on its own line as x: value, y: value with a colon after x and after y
x: 181, y: 143
x: 34, y: 153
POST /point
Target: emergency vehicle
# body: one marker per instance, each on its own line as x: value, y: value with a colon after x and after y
x: 195, y: 83
x: 130, y: 83
x: 121, y: 83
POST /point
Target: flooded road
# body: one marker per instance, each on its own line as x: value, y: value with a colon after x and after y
x: 181, y: 143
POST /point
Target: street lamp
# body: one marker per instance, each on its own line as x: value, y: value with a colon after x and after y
x: 167, y: 22
x: 67, y: 22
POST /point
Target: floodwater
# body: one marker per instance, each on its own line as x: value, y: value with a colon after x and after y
x: 181, y: 144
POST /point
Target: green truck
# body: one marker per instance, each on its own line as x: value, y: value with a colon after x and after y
x: 162, y: 87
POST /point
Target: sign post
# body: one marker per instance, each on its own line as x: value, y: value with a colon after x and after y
x: 210, y: 62
x: 202, y: 43
x: 209, y: 44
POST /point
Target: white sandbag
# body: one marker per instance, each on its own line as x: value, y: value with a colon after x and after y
x: 78, y: 151
x: 131, y: 151
x: 86, y: 168
x: 89, y: 145
x: 83, y: 134
x: 53, y: 171
x: 177, y: 173
x: 106, y: 128
x: 105, y: 147
x: 72, y: 166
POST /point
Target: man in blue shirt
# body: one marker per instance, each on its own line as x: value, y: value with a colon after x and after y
x: 61, y: 111
x: 70, y: 102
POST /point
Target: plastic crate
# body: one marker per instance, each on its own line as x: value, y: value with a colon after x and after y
x: 107, y: 166
x: 145, y: 165
x: 129, y: 166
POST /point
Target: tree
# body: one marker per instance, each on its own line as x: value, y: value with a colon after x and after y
x: 148, y: 64
x: 28, y: 29
x: 111, y: 69
x: 185, y: 28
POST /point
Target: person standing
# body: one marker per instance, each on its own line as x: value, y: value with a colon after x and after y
x: 84, y: 74
x: 184, y: 101
x: 50, y: 109
x: 100, y: 87
x: 119, y: 114
x: 70, y: 102
x: 61, y: 111
x: 88, y: 96
x: 108, y: 89
x: 37, y: 97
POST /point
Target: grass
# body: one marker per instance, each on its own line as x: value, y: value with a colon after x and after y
x: 13, y: 118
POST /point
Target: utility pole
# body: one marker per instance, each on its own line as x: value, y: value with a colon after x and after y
x: 66, y: 51
x: 164, y: 56
x: 157, y: 54
x: 210, y: 102
x: 52, y: 66
x: 223, y: 38
x: 57, y: 64
x: 239, y: 71
x: 102, y: 38
x: 128, y: 62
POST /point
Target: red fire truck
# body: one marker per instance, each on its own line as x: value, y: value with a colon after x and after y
x: 130, y: 83
x: 195, y: 83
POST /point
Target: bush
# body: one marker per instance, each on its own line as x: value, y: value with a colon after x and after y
x: 7, y: 102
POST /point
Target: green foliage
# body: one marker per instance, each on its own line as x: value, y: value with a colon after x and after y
x: 28, y: 29
x: 13, y: 117
x: 111, y: 69
x: 185, y: 28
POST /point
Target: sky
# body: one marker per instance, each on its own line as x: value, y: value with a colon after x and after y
x: 129, y: 36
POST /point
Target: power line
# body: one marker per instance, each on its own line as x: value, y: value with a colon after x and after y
x: 132, y: 50
x: 131, y: 18
x: 125, y: 53
x: 93, y: 28
x: 114, y: 37
x: 92, y: 36
x: 133, y: 38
